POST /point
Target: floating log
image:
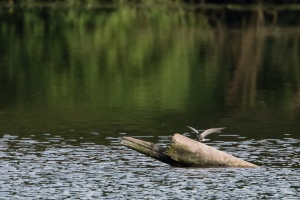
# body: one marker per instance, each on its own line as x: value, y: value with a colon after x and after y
x: 151, y: 150
x: 194, y: 153
x: 186, y: 152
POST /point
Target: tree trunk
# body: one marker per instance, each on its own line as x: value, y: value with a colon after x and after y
x: 185, y: 152
x: 197, y: 154
x: 151, y: 150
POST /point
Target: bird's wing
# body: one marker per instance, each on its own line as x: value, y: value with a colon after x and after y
x: 211, y: 130
x: 194, y: 130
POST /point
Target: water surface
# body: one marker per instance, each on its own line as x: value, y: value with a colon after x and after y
x: 75, y: 80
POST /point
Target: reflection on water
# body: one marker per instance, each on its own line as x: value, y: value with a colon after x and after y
x: 73, y: 81
x: 126, y: 69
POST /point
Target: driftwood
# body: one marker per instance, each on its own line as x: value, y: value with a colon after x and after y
x: 151, y: 150
x: 185, y: 152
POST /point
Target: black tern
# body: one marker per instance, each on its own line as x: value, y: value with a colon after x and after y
x: 201, y: 136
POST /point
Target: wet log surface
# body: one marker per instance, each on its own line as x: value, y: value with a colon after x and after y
x: 197, y: 154
x: 186, y: 152
x: 151, y: 150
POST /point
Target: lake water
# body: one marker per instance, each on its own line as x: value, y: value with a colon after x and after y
x: 75, y: 79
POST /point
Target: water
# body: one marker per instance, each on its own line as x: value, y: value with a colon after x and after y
x: 55, y: 170
x: 75, y: 80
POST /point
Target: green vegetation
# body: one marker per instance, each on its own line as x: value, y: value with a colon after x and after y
x: 161, y: 1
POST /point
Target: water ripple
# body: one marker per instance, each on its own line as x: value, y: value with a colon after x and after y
x: 56, y: 169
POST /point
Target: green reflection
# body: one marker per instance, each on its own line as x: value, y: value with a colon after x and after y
x: 107, y: 56
x: 106, y: 63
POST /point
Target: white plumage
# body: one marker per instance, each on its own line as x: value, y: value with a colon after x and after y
x: 206, y: 132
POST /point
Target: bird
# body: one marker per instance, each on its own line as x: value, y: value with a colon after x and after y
x: 201, y: 136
